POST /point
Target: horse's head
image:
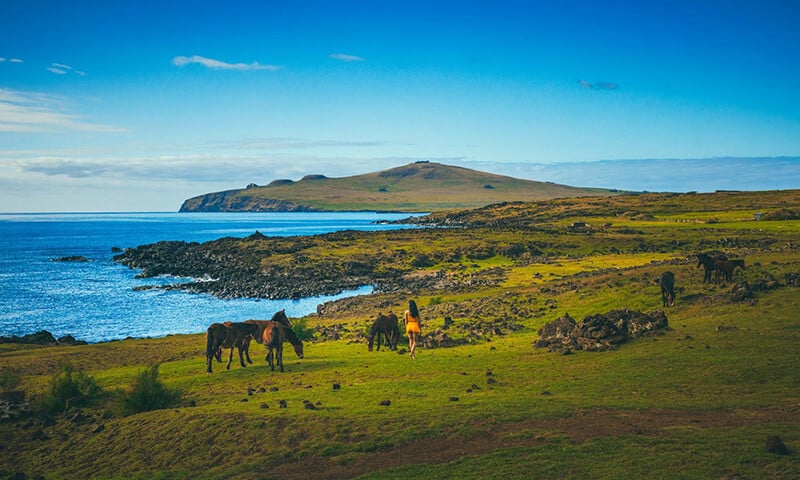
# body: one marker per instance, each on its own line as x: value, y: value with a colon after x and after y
x: 281, y: 317
x: 298, y: 349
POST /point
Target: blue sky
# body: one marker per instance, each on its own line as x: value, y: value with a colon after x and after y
x: 135, y: 106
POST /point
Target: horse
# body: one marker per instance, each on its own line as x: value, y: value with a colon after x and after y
x: 707, y: 261
x: 387, y: 326
x: 272, y: 336
x: 270, y: 333
x: 726, y: 267
x: 228, y: 335
x: 667, y: 283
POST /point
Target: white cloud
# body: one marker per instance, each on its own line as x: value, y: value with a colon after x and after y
x: 33, y: 112
x: 182, y: 61
x: 10, y: 60
x: 346, y: 57
x: 61, y: 69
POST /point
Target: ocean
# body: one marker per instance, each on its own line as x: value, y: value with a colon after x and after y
x: 95, y: 301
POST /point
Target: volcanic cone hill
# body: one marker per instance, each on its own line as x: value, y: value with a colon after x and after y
x: 416, y: 187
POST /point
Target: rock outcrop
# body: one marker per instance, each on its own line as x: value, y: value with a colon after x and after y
x: 600, y: 331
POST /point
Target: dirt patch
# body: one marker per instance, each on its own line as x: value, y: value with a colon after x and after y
x: 582, y: 426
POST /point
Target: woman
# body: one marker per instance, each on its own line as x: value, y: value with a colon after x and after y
x: 412, y: 319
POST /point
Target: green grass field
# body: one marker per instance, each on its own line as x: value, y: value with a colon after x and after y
x: 696, y: 402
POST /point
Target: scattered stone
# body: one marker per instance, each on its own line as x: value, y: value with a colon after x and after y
x: 774, y: 444
x: 546, y: 393
x: 264, y: 405
x: 262, y: 390
x: 98, y: 428
x: 454, y: 399
x: 475, y: 387
x: 308, y: 405
x: 282, y: 403
x: 250, y: 391
x: 726, y: 328
x: 273, y: 389
x: 491, y: 381
x: 336, y: 386
x: 489, y: 373
x: 385, y: 403
x: 244, y: 400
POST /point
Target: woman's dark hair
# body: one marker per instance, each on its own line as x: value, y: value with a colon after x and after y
x: 412, y: 308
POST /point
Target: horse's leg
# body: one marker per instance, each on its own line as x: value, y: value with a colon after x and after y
x: 279, y: 354
x: 241, y: 355
x: 270, y: 360
x: 230, y: 359
x: 378, y: 339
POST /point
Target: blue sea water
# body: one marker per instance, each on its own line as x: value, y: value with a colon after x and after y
x: 95, y: 300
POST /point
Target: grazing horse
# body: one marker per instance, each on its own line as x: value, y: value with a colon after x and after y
x: 387, y: 326
x: 228, y: 335
x: 726, y: 267
x: 267, y: 335
x: 667, y: 283
x: 707, y: 261
x: 273, y: 334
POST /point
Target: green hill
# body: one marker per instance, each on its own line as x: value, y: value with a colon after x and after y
x: 416, y: 187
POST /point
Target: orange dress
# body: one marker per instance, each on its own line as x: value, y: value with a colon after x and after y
x: 412, y: 323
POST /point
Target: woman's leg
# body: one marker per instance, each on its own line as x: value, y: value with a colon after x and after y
x: 412, y: 343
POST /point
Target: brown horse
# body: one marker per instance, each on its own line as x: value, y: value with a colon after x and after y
x: 387, y: 326
x: 273, y: 334
x: 228, y: 335
x: 264, y: 337
x: 726, y: 268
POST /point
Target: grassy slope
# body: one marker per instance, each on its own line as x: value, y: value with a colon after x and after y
x: 416, y: 187
x: 694, y: 403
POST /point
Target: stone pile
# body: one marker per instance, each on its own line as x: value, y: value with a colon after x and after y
x: 600, y: 331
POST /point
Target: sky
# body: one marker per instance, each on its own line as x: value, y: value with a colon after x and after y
x: 136, y: 106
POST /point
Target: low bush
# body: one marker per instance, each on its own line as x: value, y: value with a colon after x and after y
x: 69, y: 388
x: 148, y: 393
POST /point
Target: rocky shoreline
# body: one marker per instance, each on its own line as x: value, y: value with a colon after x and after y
x: 42, y: 338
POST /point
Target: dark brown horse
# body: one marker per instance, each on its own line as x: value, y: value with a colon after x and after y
x: 707, y: 261
x: 228, y: 335
x: 667, y: 283
x: 387, y: 326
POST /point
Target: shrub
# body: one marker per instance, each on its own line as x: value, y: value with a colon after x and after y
x: 148, y: 393
x: 69, y: 388
x: 9, y: 378
x: 302, y: 330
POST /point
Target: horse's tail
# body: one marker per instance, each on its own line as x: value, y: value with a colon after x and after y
x: 210, y: 350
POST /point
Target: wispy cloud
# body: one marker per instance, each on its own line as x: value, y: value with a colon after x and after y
x: 598, y: 85
x: 346, y: 57
x: 10, y: 60
x: 33, y: 112
x: 182, y: 61
x: 287, y: 143
x: 62, y: 69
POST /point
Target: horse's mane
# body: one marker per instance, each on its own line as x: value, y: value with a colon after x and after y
x: 280, y: 317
